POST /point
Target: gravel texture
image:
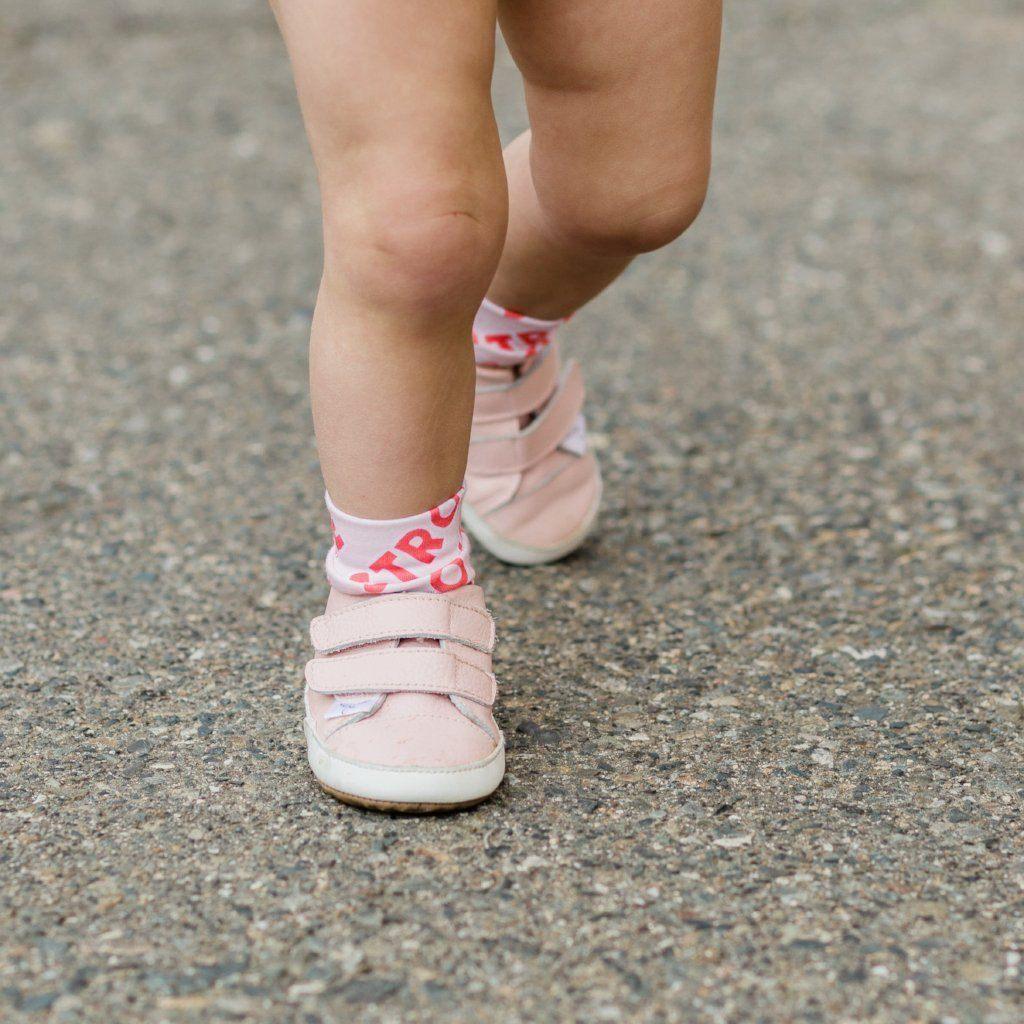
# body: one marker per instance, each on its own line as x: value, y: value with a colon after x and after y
x: 764, y: 733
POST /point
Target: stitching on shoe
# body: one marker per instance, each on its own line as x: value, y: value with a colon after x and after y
x: 474, y: 766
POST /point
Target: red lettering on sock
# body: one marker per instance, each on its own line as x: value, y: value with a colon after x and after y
x: 338, y: 542
x: 363, y: 580
x: 502, y: 341
x: 387, y: 563
x: 439, y: 584
x: 441, y: 520
x: 420, y: 544
x: 533, y: 340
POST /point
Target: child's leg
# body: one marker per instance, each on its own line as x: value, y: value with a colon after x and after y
x: 616, y: 163
x: 396, y: 101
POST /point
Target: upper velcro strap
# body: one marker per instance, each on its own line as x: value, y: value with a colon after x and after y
x: 514, y: 453
x: 519, y: 397
x: 404, y: 617
x: 402, y: 670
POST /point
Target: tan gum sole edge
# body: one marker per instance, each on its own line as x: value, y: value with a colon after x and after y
x: 522, y: 554
x: 396, y: 807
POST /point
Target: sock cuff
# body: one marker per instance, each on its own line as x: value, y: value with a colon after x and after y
x: 427, y: 552
x: 503, y: 337
x: 510, y: 314
x: 454, y: 503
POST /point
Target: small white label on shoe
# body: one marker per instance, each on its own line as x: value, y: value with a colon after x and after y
x: 575, y: 442
x: 341, y: 708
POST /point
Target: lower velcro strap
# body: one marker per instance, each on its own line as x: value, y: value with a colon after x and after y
x: 401, y: 670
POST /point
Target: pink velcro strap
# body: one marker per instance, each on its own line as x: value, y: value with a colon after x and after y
x: 406, y: 617
x: 402, y: 670
x: 514, y: 453
x: 522, y: 396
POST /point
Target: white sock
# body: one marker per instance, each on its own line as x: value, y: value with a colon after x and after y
x: 426, y: 553
x: 504, y: 338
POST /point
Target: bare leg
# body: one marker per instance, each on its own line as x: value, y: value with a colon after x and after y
x: 620, y: 98
x: 396, y: 102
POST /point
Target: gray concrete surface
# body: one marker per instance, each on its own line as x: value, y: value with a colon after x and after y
x: 765, y: 733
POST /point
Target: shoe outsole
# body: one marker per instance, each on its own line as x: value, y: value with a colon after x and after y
x: 514, y: 553
x: 398, y: 806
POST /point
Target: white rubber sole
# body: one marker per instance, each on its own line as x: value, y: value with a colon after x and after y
x: 523, y: 554
x: 408, y: 790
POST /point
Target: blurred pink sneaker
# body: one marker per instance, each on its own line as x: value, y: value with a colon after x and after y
x: 399, y: 699
x: 532, y: 488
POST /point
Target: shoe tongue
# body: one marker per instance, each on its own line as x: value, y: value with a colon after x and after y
x: 413, y: 702
x: 356, y: 703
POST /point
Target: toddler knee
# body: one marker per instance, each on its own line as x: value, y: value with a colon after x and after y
x: 623, y: 217
x: 426, y: 255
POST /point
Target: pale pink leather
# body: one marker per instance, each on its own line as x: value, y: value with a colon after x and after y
x: 413, y: 730
x: 547, y: 509
x: 511, y: 398
x: 402, y: 670
x: 522, y: 481
x: 523, y: 447
x: 426, y: 661
x: 452, y: 616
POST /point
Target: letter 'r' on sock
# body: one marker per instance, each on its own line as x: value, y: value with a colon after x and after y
x: 424, y: 553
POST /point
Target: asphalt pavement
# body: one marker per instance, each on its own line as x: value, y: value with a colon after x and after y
x: 765, y: 732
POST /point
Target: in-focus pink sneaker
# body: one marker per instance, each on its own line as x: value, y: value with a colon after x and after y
x: 399, y: 698
x: 532, y: 488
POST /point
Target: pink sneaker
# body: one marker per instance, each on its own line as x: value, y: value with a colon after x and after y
x: 532, y: 487
x: 399, y: 698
